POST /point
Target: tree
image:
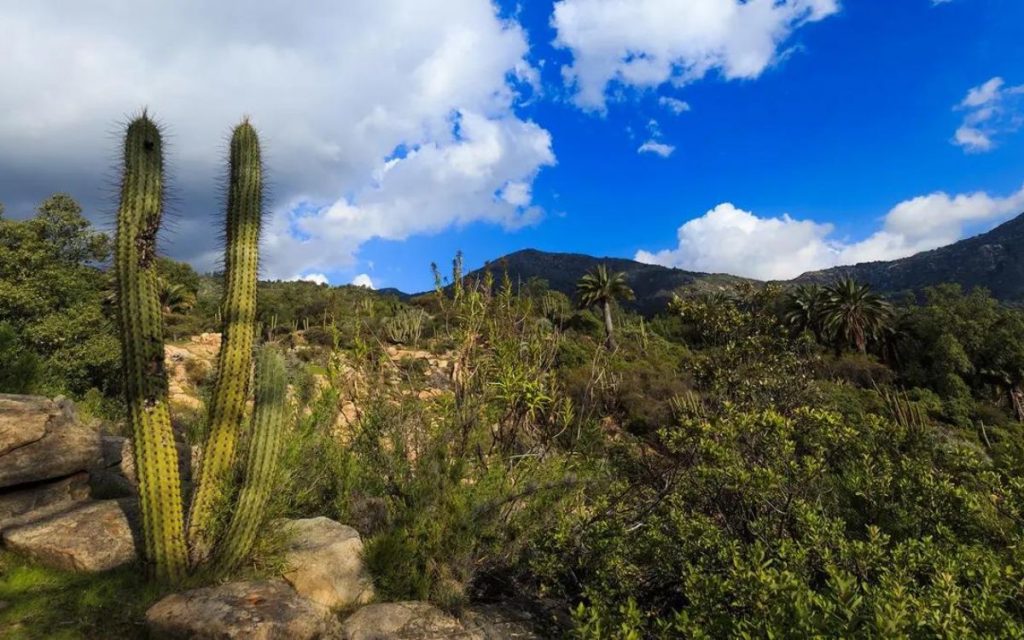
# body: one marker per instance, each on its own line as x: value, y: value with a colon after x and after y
x: 599, y: 287
x: 51, y: 298
x: 804, y: 309
x: 853, y: 314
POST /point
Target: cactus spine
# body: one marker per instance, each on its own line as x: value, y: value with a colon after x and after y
x: 138, y: 219
x: 234, y: 364
x: 261, y: 465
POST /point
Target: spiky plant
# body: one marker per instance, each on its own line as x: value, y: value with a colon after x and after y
x: 140, y: 309
x: 156, y: 458
x: 234, y: 363
x: 853, y: 314
x: 599, y: 287
x: 804, y: 309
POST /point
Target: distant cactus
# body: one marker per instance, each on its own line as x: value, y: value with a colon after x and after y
x: 234, y: 363
x: 138, y: 221
x: 405, y: 327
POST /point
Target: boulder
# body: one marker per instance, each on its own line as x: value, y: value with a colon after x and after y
x: 258, y: 610
x: 497, y: 622
x: 42, y: 439
x: 324, y: 562
x: 28, y: 503
x: 403, y: 621
x: 96, y: 536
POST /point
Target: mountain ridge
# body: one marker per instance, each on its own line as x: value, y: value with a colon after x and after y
x: 993, y: 259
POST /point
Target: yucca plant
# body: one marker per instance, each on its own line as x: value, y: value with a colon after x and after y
x: 169, y: 553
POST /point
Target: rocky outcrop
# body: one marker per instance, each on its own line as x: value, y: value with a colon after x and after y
x: 324, y: 563
x: 95, y: 536
x: 259, y: 610
x: 28, y: 503
x: 42, y: 439
x: 403, y: 621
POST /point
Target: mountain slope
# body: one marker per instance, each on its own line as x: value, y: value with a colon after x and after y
x: 652, y: 284
x: 994, y: 260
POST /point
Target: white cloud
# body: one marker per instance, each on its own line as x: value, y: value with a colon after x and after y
x: 645, y: 43
x: 675, y: 105
x: 990, y: 110
x: 318, y: 278
x: 657, y: 148
x: 730, y: 240
x: 363, y: 280
x: 382, y: 118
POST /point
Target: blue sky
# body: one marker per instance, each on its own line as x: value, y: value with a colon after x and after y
x: 815, y: 132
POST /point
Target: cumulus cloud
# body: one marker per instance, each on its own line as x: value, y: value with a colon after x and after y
x: 657, y: 148
x: 318, y: 278
x: 379, y: 118
x: 675, y: 105
x: 363, y: 280
x: 990, y: 110
x: 646, y: 43
x: 727, y: 239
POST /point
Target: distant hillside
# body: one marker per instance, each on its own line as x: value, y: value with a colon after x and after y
x: 653, y: 284
x: 994, y: 260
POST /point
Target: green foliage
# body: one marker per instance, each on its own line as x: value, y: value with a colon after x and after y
x: 52, y: 295
x: 46, y: 604
x: 598, y: 287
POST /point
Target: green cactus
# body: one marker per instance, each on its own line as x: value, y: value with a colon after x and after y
x: 156, y: 458
x: 261, y: 466
x: 234, y: 364
x: 166, y: 547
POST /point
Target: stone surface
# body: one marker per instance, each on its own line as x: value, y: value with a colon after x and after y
x: 324, y: 561
x: 494, y: 622
x: 259, y: 610
x: 42, y: 439
x: 403, y: 621
x: 96, y: 536
x: 27, y: 503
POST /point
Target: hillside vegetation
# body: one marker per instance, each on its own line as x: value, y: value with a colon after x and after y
x: 747, y: 461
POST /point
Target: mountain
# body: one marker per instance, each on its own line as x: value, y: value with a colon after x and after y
x: 652, y: 284
x: 994, y: 260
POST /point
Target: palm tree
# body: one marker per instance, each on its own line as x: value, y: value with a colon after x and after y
x: 175, y: 297
x: 852, y: 314
x: 804, y: 309
x: 598, y: 287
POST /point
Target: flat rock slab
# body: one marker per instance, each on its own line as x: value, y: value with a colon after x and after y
x: 404, y: 621
x: 494, y: 622
x: 28, y: 503
x: 258, y: 610
x: 324, y: 560
x: 42, y: 439
x: 97, y: 536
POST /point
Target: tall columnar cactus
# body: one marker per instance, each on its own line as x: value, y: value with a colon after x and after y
x: 234, y: 364
x: 146, y: 381
x: 265, y: 444
x: 138, y: 219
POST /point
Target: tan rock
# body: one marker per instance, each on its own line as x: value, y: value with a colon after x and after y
x: 97, y: 536
x: 258, y: 610
x: 403, y: 621
x: 43, y: 439
x: 325, y: 564
x: 23, y: 505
